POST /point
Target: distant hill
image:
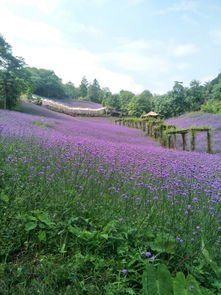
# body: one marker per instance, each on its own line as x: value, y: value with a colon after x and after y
x: 201, y: 118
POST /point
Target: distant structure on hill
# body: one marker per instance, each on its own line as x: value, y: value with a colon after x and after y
x: 150, y: 115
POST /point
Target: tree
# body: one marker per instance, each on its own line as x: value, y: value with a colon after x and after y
x: 12, y: 83
x: 46, y: 83
x: 113, y: 102
x: 194, y: 96
x: 70, y: 90
x: 163, y: 104
x: 83, y: 88
x: 94, y: 92
x: 140, y: 104
x: 216, y: 91
x: 178, y: 96
x: 125, y: 99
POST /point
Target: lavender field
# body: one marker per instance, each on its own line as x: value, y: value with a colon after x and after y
x: 201, y: 118
x: 89, y: 204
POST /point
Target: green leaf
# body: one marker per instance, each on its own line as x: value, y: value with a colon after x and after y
x: 164, y: 243
x: 165, y: 280
x: 45, y: 219
x: 179, y: 284
x: 30, y: 226
x: 73, y: 230
x: 42, y: 235
x: 149, y: 281
x: 209, y: 260
x: 192, y: 286
x: 104, y: 236
x: 4, y: 197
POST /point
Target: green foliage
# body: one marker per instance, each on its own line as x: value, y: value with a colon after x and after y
x: 140, y: 104
x: 71, y: 91
x: 41, y: 124
x: 112, y: 102
x: 212, y: 106
x: 158, y: 280
x: 45, y: 83
x: 94, y: 92
x: 83, y: 88
x: 12, y: 80
x: 125, y: 99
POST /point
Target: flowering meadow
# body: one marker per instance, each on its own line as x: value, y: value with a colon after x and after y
x: 87, y: 207
x: 199, y: 119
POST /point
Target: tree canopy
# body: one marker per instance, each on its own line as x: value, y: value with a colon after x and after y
x: 12, y: 77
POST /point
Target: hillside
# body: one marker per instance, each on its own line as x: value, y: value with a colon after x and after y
x: 76, y: 103
x: 90, y: 206
x: 201, y: 118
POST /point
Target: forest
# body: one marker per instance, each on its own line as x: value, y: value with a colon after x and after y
x: 16, y: 79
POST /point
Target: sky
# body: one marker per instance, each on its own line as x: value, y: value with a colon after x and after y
x: 125, y: 44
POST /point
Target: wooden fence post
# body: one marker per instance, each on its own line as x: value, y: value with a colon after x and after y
x: 209, y: 143
x: 193, y: 140
x: 184, y: 141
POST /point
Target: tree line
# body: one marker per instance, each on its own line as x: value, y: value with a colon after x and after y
x: 17, y: 79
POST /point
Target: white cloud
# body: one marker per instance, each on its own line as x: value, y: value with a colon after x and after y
x: 122, y: 67
x: 17, y: 29
x: 184, y: 49
x: 43, y: 5
x: 184, y: 6
x: 72, y: 64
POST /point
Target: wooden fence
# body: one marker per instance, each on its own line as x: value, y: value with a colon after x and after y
x: 167, y: 134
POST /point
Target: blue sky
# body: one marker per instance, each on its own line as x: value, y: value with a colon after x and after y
x: 125, y: 44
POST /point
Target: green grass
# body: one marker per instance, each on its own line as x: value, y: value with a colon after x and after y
x: 41, y: 124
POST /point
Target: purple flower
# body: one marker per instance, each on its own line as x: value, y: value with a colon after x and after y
x: 147, y: 254
x: 124, y: 270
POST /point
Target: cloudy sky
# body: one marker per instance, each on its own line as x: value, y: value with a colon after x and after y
x: 125, y: 44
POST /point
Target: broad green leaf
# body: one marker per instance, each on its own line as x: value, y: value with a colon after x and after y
x: 45, y: 219
x: 192, y: 286
x: 179, y: 284
x: 149, y: 281
x: 30, y: 226
x: 165, y: 280
x: 42, y: 235
x: 164, y: 243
